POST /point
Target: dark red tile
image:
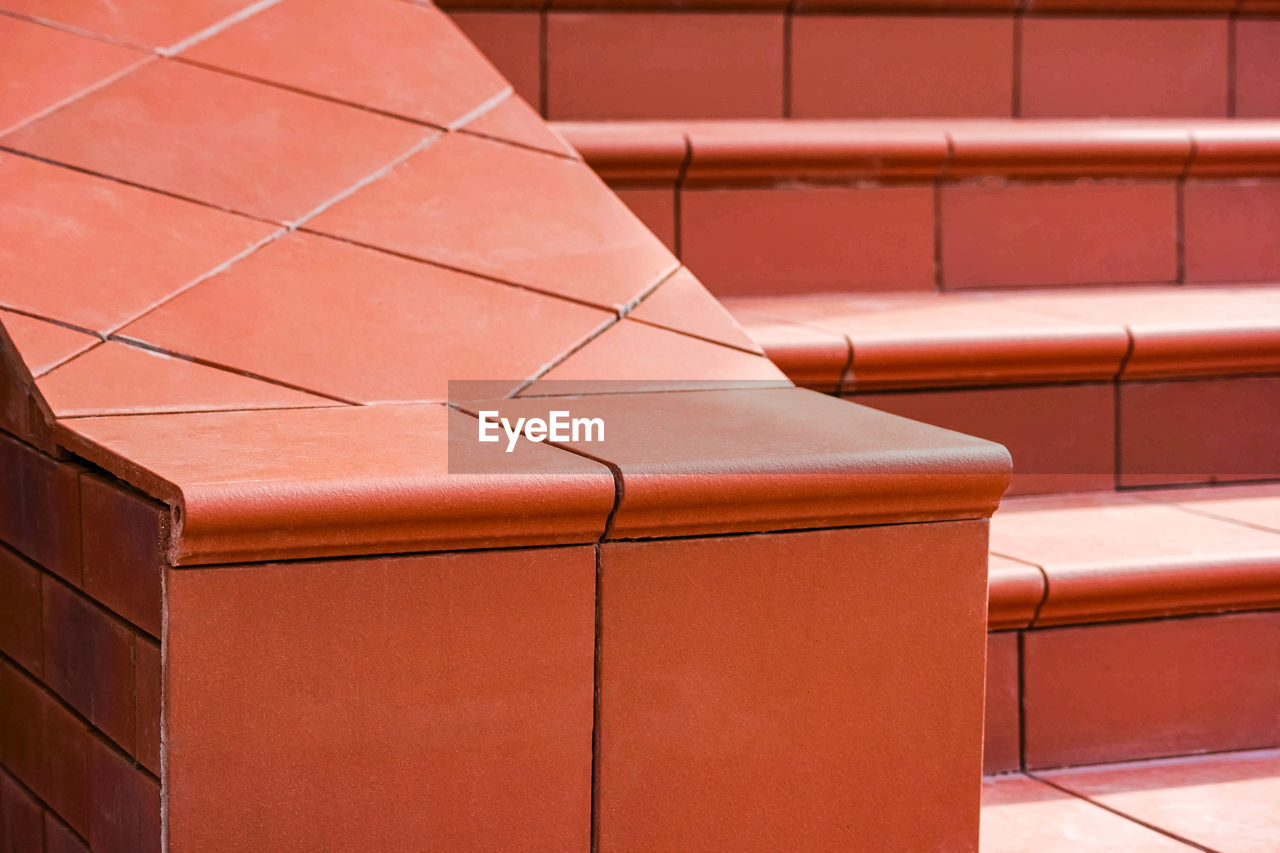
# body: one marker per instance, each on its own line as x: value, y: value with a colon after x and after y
x: 1257, y: 68
x: 59, y: 838
x: 515, y: 121
x: 21, y: 821
x: 504, y: 212
x: 1102, y: 693
x: 94, y: 253
x: 1228, y: 230
x: 40, y: 508
x: 512, y: 41
x: 43, y: 345
x: 712, y: 65
x: 126, y: 804
x: 1107, y: 66
x: 802, y: 240
x: 683, y: 304
x: 147, y: 669
x: 461, y: 682
x: 1001, y: 747
x: 414, y: 330
x: 655, y: 207
x: 88, y: 661
x: 61, y: 742
x: 917, y: 65
x: 717, y: 734
x: 1033, y: 234
x: 21, y: 637
x: 125, y: 538
x: 21, y: 726
x: 406, y: 59
x: 146, y: 25
x: 48, y: 66
x: 219, y: 139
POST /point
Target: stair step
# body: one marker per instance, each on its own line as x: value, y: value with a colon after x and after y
x: 787, y: 207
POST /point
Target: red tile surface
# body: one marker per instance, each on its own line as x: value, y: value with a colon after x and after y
x: 94, y: 253
x: 43, y: 345
x: 516, y: 215
x: 21, y: 721
x: 58, y: 837
x: 515, y: 121
x: 1258, y: 505
x: 219, y: 139
x: 21, y: 824
x: 1229, y: 229
x: 800, y: 240
x: 1227, y: 430
x: 1001, y: 747
x: 722, y: 65
x: 683, y: 304
x: 144, y: 24
x: 919, y: 65
x: 116, y: 378
x: 461, y: 682
x: 1014, y: 592
x: 21, y: 637
x: 125, y: 537
x: 1069, y: 149
x: 46, y: 67
x: 655, y: 207
x: 406, y: 59
x: 1104, y: 66
x: 417, y: 326
x: 147, y: 670
x: 126, y: 804
x: 716, y: 734
x: 1111, y: 556
x: 512, y: 41
x: 995, y: 234
x: 811, y: 357
x: 1224, y: 802
x: 1062, y: 437
x: 1257, y: 69
x: 1148, y: 689
x: 88, y: 661
x: 1021, y: 814
x: 39, y: 508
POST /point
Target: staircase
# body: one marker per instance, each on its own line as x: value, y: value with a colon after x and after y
x: 1055, y: 225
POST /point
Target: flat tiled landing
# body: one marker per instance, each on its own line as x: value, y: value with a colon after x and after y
x: 1225, y: 803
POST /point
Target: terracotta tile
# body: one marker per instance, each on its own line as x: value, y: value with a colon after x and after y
x: 125, y: 538
x: 94, y: 253
x: 48, y: 66
x: 126, y: 804
x: 147, y: 669
x: 655, y: 207
x: 904, y: 66
x: 1258, y: 505
x: 1224, y: 802
x: 1069, y: 150
x: 1021, y: 814
x: 811, y: 357
x: 512, y: 41
x: 21, y: 824
x: 41, y: 344
x: 88, y: 661
x: 1105, y: 66
x: 59, y: 838
x: 515, y: 121
x: 20, y: 620
x: 712, y: 65
x: 715, y: 734
x: 998, y: 234
x: 1110, y: 556
x: 1062, y: 437
x: 800, y: 240
x: 158, y: 125
x: 20, y: 723
x: 1257, y: 69
x: 147, y: 25
x: 511, y: 214
x: 1227, y: 430
x: 683, y: 304
x: 1001, y: 748
x: 49, y: 752
x: 414, y: 330
x: 1228, y: 228
x: 401, y: 58
x: 1014, y: 592
x: 649, y: 153
x: 462, y: 682
x: 1099, y: 693
x: 40, y: 508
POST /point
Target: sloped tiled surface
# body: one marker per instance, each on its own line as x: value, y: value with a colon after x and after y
x: 146, y: 24
x: 683, y: 304
x: 515, y: 121
x: 41, y: 344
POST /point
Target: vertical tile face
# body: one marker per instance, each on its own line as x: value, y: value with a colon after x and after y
x: 40, y: 508
x: 1257, y: 68
x: 1050, y: 234
x: 1088, y: 67
x: 875, y: 66
x: 1230, y: 229
x: 1001, y: 748
x: 1103, y: 693
x: 21, y: 824
x: 752, y: 685
x: 147, y: 670
x: 59, y: 839
x: 440, y: 701
x: 123, y: 533
x: 655, y: 207
x: 605, y: 65
x: 512, y: 42
x: 1227, y: 430
x: 20, y: 634
x: 773, y: 241
x: 126, y: 804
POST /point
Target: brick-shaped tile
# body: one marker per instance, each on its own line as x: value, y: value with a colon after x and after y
x: 124, y: 534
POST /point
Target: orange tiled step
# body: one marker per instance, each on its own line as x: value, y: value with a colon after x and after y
x: 778, y: 207
x: 1131, y: 626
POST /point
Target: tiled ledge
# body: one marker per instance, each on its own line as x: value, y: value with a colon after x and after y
x: 1126, y: 7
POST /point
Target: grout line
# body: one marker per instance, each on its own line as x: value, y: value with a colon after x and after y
x: 1015, y: 87
x: 479, y: 111
x: 847, y: 381
x: 44, y: 806
x: 1207, y: 514
x: 523, y: 146
x: 213, y: 30
x: 598, y: 681
x: 155, y: 412
x: 788, y: 13
x: 694, y: 336
x: 420, y: 145
x: 77, y: 31
x: 648, y: 291
x: 1117, y: 420
x: 544, y: 59
x: 1022, y: 704
x: 1233, y: 62
x: 677, y: 210
x: 560, y: 359
x: 88, y: 90
x: 63, y: 323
